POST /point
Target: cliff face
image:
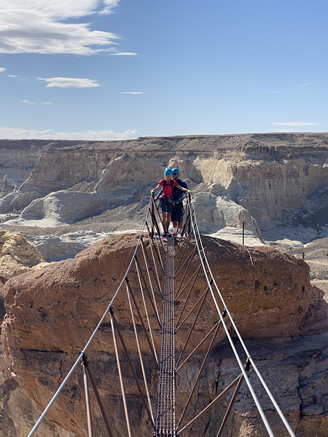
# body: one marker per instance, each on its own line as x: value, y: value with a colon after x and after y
x: 52, y: 312
x: 276, y: 178
x: 18, y: 413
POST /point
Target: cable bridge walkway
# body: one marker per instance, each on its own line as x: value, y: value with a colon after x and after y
x: 162, y: 278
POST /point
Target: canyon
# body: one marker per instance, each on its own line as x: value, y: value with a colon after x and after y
x: 67, y: 196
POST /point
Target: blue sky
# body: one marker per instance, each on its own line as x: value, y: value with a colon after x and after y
x: 120, y: 69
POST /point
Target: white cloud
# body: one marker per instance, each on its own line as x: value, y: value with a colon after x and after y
x: 2, y: 69
x: 12, y: 75
x: 69, y: 82
x: 306, y: 84
x: 294, y: 123
x: 131, y: 92
x: 29, y: 102
x: 54, y: 27
x: 123, y: 54
x: 88, y: 135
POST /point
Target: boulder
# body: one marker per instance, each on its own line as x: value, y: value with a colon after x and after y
x: 17, y: 254
x: 215, y: 213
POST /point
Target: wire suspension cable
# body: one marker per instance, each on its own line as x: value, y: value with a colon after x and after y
x: 166, y: 397
x: 209, y: 277
x: 127, y: 420
x: 62, y: 385
x: 209, y: 281
x: 140, y: 354
x: 147, y: 315
x: 87, y: 395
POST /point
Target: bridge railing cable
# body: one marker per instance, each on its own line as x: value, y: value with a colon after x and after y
x: 147, y: 281
x: 150, y: 290
x: 224, y: 313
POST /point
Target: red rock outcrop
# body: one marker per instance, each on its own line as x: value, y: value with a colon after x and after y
x: 18, y: 413
x: 52, y: 312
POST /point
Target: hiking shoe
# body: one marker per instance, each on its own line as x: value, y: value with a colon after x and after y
x: 163, y: 235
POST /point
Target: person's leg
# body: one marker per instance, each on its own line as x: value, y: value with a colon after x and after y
x: 164, y: 209
x: 168, y: 219
x: 173, y: 219
x: 169, y: 212
x: 164, y: 221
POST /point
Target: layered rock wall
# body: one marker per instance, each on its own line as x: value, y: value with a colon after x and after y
x: 269, y: 175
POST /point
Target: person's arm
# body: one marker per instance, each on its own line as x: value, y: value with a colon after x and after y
x: 158, y: 186
x: 182, y: 189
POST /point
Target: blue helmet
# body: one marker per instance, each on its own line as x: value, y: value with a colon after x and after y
x: 168, y: 172
x: 176, y: 171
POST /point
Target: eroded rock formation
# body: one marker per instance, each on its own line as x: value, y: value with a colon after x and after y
x: 52, y: 312
x: 277, y: 178
x: 18, y: 413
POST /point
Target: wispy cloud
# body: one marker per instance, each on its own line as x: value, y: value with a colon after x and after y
x: 294, y: 123
x: 29, y: 102
x: 2, y: 69
x: 131, y: 92
x: 69, y: 82
x: 310, y: 84
x: 123, y: 54
x: 26, y: 102
x: 12, y: 75
x: 104, y: 135
x: 54, y: 27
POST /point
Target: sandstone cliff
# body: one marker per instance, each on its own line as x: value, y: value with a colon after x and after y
x: 18, y: 413
x: 270, y: 178
x: 51, y: 313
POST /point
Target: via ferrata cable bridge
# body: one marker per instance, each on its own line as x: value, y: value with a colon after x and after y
x: 165, y: 328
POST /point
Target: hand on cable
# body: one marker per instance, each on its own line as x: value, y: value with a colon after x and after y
x: 152, y: 191
x: 189, y: 191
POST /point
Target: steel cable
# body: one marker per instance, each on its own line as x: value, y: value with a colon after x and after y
x: 208, y: 274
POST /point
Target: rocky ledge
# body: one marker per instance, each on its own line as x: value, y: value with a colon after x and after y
x: 282, y: 317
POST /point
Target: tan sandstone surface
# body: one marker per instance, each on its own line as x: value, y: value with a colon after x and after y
x: 52, y: 312
x: 18, y: 413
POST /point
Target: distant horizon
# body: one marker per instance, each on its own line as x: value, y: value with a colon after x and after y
x: 162, y: 136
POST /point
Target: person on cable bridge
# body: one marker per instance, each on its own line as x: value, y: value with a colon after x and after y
x: 177, y: 197
x: 167, y: 186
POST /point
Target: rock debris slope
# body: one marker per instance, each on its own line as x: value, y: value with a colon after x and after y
x: 51, y: 313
